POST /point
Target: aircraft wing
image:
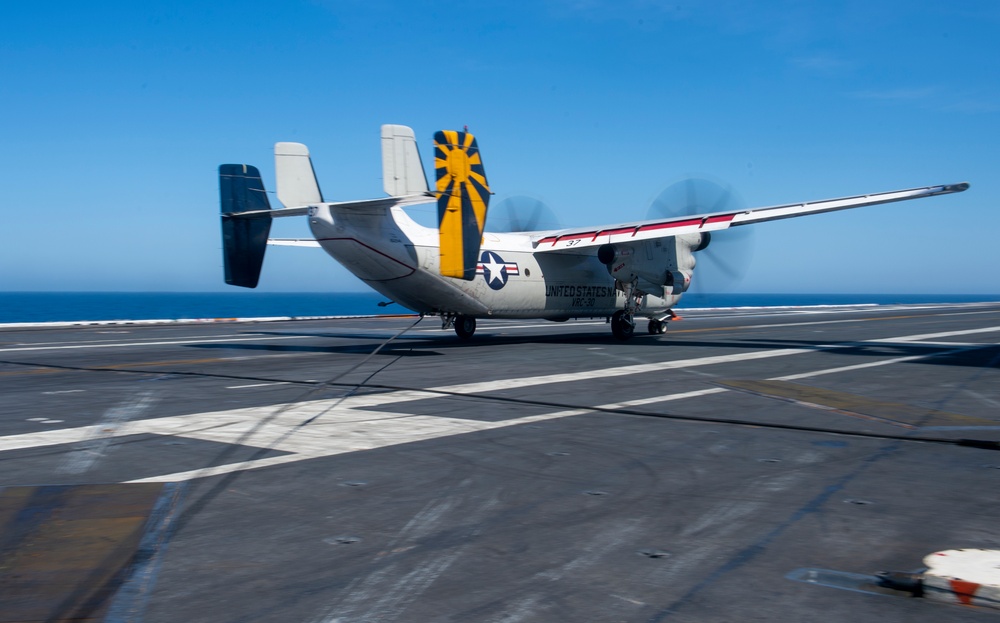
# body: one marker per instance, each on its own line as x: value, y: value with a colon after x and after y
x: 572, y: 240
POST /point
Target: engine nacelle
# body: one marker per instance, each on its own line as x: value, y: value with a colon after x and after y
x: 678, y: 281
x: 656, y: 271
x: 706, y: 239
x: 618, y: 259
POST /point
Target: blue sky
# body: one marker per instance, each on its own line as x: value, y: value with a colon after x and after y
x: 116, y: 116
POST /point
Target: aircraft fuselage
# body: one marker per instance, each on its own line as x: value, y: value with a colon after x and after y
x: 400, y: 259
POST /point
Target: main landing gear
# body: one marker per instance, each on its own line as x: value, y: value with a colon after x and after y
x: 656, y: 327
x: 465, y: 326
x: 623, y: 320
x: 622, y: 325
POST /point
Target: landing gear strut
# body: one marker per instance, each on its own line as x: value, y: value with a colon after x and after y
x: 623, y: 320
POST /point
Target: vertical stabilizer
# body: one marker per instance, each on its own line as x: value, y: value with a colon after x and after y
x: 463, y: 196
x: 402, y: 170
x: 296, y: 179
x: 244, y: 239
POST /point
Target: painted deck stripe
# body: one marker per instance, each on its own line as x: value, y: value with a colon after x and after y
x: 665, y: 398
x: 345, y: 438
x: 934, y: 336
x: 344, y: 427
x: 859, y: 366
x: 259, y: 385
x: 583, y: 375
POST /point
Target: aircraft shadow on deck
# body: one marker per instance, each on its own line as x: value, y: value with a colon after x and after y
x: 353, y: 349
x: 427, y: 344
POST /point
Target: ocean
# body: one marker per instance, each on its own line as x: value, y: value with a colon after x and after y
x: 30, y: 307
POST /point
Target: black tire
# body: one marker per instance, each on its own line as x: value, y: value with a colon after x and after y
x: 465, y: 326
x: 621, y: 327
x: 656, y: 327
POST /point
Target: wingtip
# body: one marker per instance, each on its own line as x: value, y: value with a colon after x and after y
x: 957, y: 188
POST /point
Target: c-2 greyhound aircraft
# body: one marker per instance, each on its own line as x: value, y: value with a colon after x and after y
x: 461, y: 272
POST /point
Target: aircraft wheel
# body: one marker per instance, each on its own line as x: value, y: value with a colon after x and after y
x: 656, y: 327
x: 465, y: 326
x: 621, y: 325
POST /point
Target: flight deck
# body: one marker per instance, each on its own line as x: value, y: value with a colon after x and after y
x: 749, y: 464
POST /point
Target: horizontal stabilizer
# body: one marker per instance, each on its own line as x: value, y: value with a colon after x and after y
x: 296, y: 179
x: 293, y: 242
x: 402, y: 170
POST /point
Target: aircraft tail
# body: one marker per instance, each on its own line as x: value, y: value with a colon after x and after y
x: 244, y: 239
x: 295, y: 177
x: 402, y: 170
x: 463, y: 196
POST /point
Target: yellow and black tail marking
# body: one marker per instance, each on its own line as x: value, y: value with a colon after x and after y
x: 463, y: 196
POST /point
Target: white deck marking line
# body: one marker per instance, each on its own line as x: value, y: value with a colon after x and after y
x: 904, y: 339
x: 259, y: 385
x: 301, y: 449
x: 349, y: 429
x: 951, y: 344
x: 931, y: 336
x: 583, y: 375
x: 331, y: 438
x: 886, y: 362
x: 665, y: 398
x: 858, y: 366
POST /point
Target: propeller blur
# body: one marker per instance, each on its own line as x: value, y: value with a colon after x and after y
x: 723, y: 264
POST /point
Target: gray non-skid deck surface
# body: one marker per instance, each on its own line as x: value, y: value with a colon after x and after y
x: 543, y: 472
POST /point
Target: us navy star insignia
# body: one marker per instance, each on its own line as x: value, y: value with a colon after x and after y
x: 495, y: 270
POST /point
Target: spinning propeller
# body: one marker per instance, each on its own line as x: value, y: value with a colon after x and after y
x: 519, y: 213
x: 722, y: 265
